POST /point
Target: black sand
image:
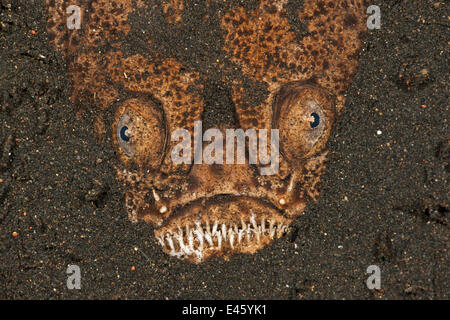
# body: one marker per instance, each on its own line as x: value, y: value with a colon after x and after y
x: 384, y: 199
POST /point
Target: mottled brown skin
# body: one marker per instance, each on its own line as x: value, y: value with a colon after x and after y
x: 204, y: 210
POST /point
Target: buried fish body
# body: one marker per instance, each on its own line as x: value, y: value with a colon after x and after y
x: 264, y: 65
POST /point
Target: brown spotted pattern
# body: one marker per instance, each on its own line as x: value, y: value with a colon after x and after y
x: 202, y: 210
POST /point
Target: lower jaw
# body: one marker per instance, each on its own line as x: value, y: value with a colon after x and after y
x: 221, y: 227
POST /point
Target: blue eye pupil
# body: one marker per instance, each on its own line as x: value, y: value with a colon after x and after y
x: 316, y: 121
x: 123, y: 136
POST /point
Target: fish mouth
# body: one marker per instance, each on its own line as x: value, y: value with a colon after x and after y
x: 220, y: 226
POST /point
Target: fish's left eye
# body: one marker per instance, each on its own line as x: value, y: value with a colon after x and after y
x: 303, y: 113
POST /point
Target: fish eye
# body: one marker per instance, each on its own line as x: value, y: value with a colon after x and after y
x: 315, y: 123
x: 123, y: 133
x: 139, y: 133
x: 304, y: 115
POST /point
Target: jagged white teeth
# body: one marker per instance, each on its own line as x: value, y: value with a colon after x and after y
x: 240, y: 234
x: 199, y: 227
x: 263, y: 225
x: 272, y: 230
x: 232, y: 240
x: 155, y: 195
x: 170, y: 242
x: 191, y: 242
x: 183, y: 248
x: 252, y: 220
x: 270, y: 227
x: 161, y: 241
x: 195, y: 238
x: 199, y: 235
x: 219, y: 240
x: 208, y: 238
x: 200, y: 247
x: 280, y: 230
x: 224, y: 231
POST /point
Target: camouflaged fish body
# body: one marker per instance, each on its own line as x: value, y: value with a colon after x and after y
x: 203, y: 210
